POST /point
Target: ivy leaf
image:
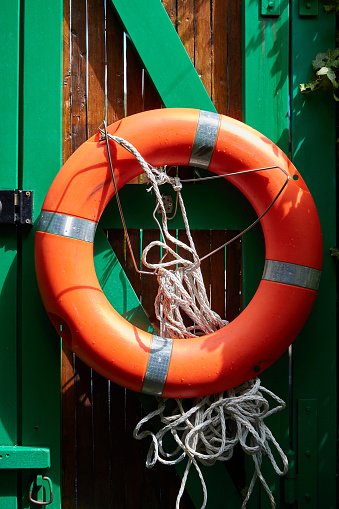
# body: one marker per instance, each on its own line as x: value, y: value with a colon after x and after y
x: 327, y: 71
x: 319, y: 61
x: 308, y: 87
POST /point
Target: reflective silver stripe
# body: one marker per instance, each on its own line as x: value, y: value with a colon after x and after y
x: 207, y: 130
x: 159, y: 359
x: 291, y: 274
x: 67, y: 226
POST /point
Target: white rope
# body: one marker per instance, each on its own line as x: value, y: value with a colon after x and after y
x: 209, y: 429
x: 181, y: 289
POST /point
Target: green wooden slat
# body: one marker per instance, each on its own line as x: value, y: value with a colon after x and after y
x: 313, y: 152
x: 234, y: 212
x: 265, y: 73
x: 266, y: 108
x: 41, y: 53
x: 19, y: 457
x: 9, y: 104
x: 163, y: 54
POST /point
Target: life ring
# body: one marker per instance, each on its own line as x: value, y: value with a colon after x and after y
x: 182, y: 367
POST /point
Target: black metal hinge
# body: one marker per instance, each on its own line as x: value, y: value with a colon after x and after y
x: 16, y: 207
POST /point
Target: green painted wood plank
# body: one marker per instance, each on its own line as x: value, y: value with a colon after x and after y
x: 21, y: 457
x: 9, y: 112
x: 41, y: 55
x: 313, y: 152
x: 265, y: 72
x: 163, y: 54
x: 231, y: 210
x: 266, y: 108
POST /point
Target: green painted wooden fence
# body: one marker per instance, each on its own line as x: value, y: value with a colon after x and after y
x: 275, y: 60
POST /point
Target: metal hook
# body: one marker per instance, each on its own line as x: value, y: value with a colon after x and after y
x: 38, y: 483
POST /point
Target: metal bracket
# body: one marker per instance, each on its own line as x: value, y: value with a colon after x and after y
x: 168, y: 204
x: 270, y: 8
x: 308, y: 7
x: 16, y: 206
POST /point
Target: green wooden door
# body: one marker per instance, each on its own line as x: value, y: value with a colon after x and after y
x: 274, y: 62
x: 31, y: 36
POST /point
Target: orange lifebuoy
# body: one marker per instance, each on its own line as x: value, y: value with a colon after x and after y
x: 182, y: 367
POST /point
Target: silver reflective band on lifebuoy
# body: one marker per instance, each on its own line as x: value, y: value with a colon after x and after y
x: 205, y: 137
x: 291, y: 274
x: 157, y: 368
x: 67, y: 226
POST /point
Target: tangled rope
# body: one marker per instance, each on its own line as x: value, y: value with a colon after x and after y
x: 209, y: 430
x: 212, y: 426
x: 182, y: 289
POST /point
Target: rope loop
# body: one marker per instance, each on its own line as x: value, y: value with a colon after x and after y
x: 210, y: 429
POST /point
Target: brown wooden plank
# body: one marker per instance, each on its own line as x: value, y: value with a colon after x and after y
x: 151, y: 98
x: 233, y: 277
x: 203, y: 43
x: 116, y: 239
x: 78, y: 78
x: 68, y: 430
x: 117, y: 445
x: 135, y: 460
x: 115, y: 67
x: 135, y: 99
x: 217, y: 273
x: 102, y: 455
x: 96, y: 65
x: 219, y: 56
x: 186, y: 26
x: 171, y: 9
x: 131, y: 273
x: 234, y: 38
x: 66, y: 112
x: 202, y: 241
x: 84, y: 435
x: 149, y: 284
x: 134, y: 80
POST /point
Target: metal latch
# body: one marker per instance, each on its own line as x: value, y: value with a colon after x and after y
x: 16, y: 206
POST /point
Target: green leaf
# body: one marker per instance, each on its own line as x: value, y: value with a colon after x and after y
x: 308, y: 87
x: 326, y: 71
x: 319, y: 61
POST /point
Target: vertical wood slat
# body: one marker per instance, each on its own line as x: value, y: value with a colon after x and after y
x: 9, y: 145
x: 203, y: 43
x: 101, y: 458
x: 234, y: 59
x: 82, y: 376
x: 115, y: 67
x: 233, y: 277
x: 69, y: 449
x: 40, y: 160
x: 149, y: 285
x: 96, y: 65
x: 185, y: 26
x: 79, y: 74
x: 67, y: 84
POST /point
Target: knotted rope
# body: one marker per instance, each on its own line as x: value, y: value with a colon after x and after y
x: 209, y: 429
